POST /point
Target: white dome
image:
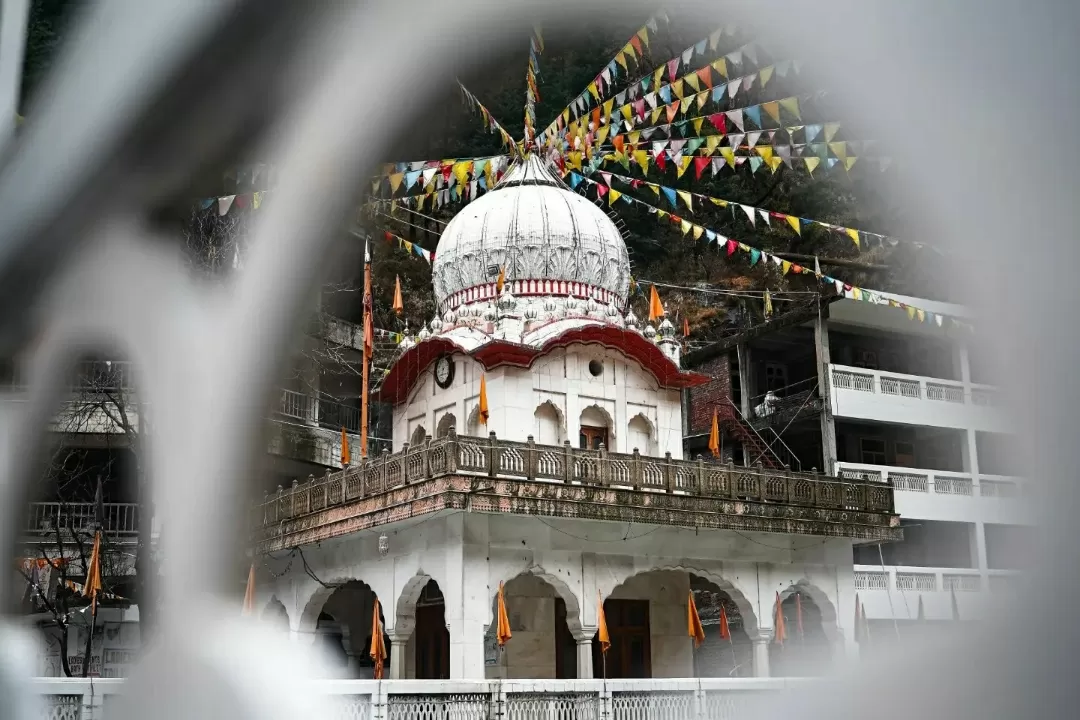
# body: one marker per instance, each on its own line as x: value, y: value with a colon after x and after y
x: 548, y: 239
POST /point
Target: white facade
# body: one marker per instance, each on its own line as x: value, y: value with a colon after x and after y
x: 550, y: 401
x: 577, y: 561
x: 971, y: 499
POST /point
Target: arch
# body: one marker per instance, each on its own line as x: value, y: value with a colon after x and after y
x: 809, y: 652
x: 544, y: 614
x: 472, y: 426
x: 447, y: 423
x: 419, y: 434
x: 746, y: 608
x: 275, y: 615
x: 641, y: 434
x: 595, y: 416
x: 549, y: 424
x: 719, y: 657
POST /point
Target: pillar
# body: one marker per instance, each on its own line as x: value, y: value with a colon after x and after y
x: 761, y: 653
x: 466, y: 594
x: 746, y: 389
x: 828, y: 429
x: 399, y: 639
x: 584, y: 638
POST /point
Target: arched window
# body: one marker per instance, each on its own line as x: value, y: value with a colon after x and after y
x: 418, y: 436
x: 548, y: 424
x: 595, y: 428
x: 639, y: 435
x: 446, y: 424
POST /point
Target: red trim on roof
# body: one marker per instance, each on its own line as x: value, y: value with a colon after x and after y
x: 415, y: 361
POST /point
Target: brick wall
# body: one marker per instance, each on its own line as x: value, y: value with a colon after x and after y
x: 705, y: 398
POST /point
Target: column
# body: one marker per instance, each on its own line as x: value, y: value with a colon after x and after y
x: 583, y: 638
x: 398, y: 641
x: 466, y: 595
x: 746, y: 388
x: 761, y: 652
x: 828, y: 429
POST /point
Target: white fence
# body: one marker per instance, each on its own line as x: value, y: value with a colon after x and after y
x: 674, y: 699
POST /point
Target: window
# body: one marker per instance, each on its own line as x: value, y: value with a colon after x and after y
x: 905, y: 454
x: 775, y: 376
x: 591, y: 437
x: 872, y: 451
x: 596, y: 368
x: 866, y: 359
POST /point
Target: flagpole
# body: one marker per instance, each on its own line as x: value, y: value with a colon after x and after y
x: 366, y: 353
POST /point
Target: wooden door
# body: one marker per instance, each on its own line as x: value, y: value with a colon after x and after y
x: 630, y: 654
x: 591, y: 437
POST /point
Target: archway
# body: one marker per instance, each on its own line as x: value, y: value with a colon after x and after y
x: 541, y: 619
x: 595, y: 428
x: 640, y: 435
x: 548, y: 424
x: 419, y: 434
x: 275, y: 616
x: 446, y: 424
x: 807, y: 650
x: 646, y: 617
x: 340, y: 616
x: 717, y: 656
x: 428, y: 648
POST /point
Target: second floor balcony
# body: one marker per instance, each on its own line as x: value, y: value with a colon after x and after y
x: 491, y: 475
x: 866, y: 394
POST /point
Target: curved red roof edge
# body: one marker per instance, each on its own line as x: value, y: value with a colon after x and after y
x: 404, y: 373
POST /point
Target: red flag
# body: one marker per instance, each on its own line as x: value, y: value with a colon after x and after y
x: 725, y: 631
x: 719, y: 122
x: 700, y: 163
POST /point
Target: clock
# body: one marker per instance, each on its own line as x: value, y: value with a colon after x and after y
x: 444, y: 371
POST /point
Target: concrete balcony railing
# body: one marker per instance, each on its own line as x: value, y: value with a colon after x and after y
x: 913, y: 399
x: 43, y: 518
x: 910, y: 479
x: 532, y: 479
x: 896, y: 590
x: 689, y: 699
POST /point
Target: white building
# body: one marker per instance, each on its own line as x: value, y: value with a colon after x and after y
x: 574, y: 491
x: 905, y: 402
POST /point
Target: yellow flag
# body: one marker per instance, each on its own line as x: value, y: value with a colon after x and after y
x: 601, y: 134
x: 683, y: 164
x: 830, y: 131
x: 641, y: 157
x: 702, y: 98
x: 395, y: 181
x: 693, y: 81
x: 627, y: 113
x: 655, y: 115
x: 698, y: 230
x: 621, y: 59
x: 729, y: 155
x: 811, y: 164
x: 775, y: 162
x: 718, y: 201
x: 684, y: 226
x: 853, y: 234
x: 720, y: 66
x: 685, y: 104
x: 677, y: 88
x: 839, y: 149
x: 634, y: 137
x: 594, y: 91
x: 772, y: 109
x: 686, y: 197
x: 785, y: 266
x: 765, y: 74
x: 849, y: 161
x: 461, y: 171
x: 575, y: 160
x: 921, y: 314
x: 613, y: 195
x: 608, y: 105
x: 791, y: 104
x: 643, y: 33
x: 711, y: 143
x: 794, y: 223
x: 657, y: 75
x: 256, y: 200
x: 765, y: 151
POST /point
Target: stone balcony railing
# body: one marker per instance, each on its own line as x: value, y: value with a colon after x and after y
x: 491, y: 475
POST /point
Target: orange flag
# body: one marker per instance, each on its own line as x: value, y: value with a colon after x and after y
x: 249, y: 593
x: 725, y: 631
x: 500, y: 281
x: 656, y: 308
x: 781, y: 630
x: 798, y: 614
x: 601, y: 625
x: 346, y: 456
x: 483, y: 401
x: 93, y: 573
x: 502, y: 633
x: 378, y: 645
x: 693, y: 622
x: 714, y: 436
x: 685, y: 328
x: 399, y: 306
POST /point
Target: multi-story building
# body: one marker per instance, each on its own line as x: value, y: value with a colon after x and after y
x: 863, y: 391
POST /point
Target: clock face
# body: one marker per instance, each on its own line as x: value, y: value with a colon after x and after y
x: 444, y: 372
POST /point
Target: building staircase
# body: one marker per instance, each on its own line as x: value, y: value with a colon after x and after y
x: 758, y: 448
